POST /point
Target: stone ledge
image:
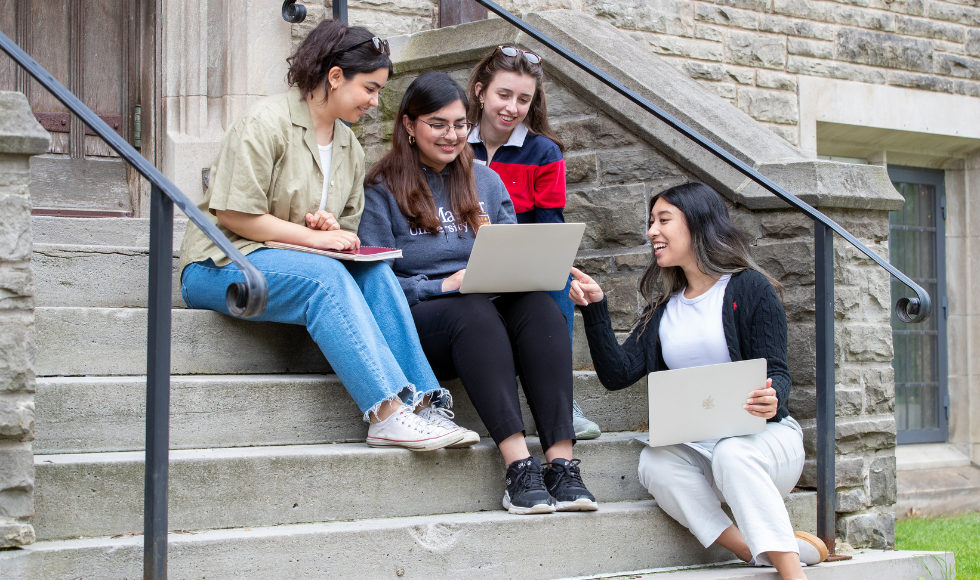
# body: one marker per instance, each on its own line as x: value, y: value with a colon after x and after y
x: 20, y: 133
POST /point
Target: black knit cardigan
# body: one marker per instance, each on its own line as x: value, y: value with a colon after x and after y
x: 755, y: 327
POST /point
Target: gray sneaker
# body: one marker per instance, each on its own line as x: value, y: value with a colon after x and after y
x: 584, y: 429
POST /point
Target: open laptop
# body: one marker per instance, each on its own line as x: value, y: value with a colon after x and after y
x: 521, y: 257
x: 699, y: 403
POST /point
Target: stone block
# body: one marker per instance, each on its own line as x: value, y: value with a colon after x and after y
x: 771, y: 106
x: 614, y: 216
x: 883, y: 481
x: 930, y: 29
x: 16, y: 480
x: 912, y: 7
x: 801, y: 352
x: 871, y: 530
x: 15, y: 173
x: 593, y: 133
x: 15, y: 533
x: 848, y: 402
x: 704, y: 32
x: 704, y: 71
x: 741, y: 75
x: 624, y: 299
x: 794, y: 27
x: 884, y: 50
x: 723, y: 90
x: 563, y: 102
x: 790, y: 261
x: 921, y: 81
x: 806, y: 47
x: 635, y: 165
x: 868, y: 342
x: 686, y: 47
x: 973, y: 42
x: 958, y: 66
x: 968, y: 88
x: 848, y: 471
x: 581, y: 168
x: 756, y: 50
x: 20, y: 133
x: 16, y: 287
x: 850, y: 500
x: 17, y: 351
x: 835, y: 70
x: 788, y: 133
x: 788, y: 224
x: 966, y: 15
x: 673, y: 17
x: 386, y: 24
x: 15, y: 228
x: 726, y: 16
x: 17, y: 416
x: 861, y: 435
x: 798, y: 304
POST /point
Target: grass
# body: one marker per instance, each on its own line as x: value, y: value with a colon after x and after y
x: 958, y: 534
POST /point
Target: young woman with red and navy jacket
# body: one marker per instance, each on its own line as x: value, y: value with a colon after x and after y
x: 512, y: 136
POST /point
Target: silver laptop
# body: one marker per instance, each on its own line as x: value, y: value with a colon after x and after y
x: 521, y: 257
x: 701, y: 403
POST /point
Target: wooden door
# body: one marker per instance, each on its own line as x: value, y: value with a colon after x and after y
x: 90, y: 46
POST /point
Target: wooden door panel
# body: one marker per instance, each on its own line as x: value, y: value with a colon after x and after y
x: 105, y: 64
x: 48, y: 43
x: 8, y: 25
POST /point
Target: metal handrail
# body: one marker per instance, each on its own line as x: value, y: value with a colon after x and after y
x: 245, y: 299
x: 909, y: 310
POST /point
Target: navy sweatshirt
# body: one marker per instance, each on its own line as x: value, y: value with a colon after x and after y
x: 427, y: 259
x: 754, y: 323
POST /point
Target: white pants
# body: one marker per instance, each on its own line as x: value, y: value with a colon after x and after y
x: 751, y: 473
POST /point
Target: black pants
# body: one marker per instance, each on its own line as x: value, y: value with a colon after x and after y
x: 487, y: 343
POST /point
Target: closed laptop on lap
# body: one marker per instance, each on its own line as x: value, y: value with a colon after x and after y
x: 521, y: 257
x: 699, y: 403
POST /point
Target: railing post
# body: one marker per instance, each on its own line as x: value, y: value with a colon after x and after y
x: 340, y: 10
x: 823, y: 238
x: 158, y: 387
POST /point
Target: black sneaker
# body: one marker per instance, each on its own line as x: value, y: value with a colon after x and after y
x: 526, y: 493
x: 564, y: 482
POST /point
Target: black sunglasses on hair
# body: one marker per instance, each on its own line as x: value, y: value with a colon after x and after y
x: 380, y: 46
x: 513, y: 51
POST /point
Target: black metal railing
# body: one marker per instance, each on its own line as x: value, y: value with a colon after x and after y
x: 245, y: 299
x: 907, y: 309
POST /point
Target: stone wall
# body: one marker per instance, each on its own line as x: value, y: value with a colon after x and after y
x: 750, y: 52
x: 20, y: 137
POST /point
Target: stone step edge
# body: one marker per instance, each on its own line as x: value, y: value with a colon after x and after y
x: 277, y: 451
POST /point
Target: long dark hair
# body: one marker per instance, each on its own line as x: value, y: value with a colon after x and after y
x: 719, y: 246
x: 400, y: 169
x: 484, y: 73
x: 323, y: 49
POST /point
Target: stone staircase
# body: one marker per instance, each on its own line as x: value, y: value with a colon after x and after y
x: 269, y: 474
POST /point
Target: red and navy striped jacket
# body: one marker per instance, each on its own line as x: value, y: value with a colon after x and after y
x: 533, y: 169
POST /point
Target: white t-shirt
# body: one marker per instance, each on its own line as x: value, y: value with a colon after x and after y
x: 692, y: 335
x: 326, y: 155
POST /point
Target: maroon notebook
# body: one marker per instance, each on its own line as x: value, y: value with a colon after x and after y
x: 362, y: 254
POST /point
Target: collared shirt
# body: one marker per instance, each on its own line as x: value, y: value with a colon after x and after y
x: 532, y: 168
x: 269, y: 163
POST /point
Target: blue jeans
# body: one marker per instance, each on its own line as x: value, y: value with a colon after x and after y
x: 566, y: 306
x: 356, y: 312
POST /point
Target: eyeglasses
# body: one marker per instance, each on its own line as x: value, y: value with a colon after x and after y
x: 513, y: 51
x: 380, y: 46
x: 440, y: 130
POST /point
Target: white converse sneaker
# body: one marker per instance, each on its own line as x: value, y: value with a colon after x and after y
x: 406, y: 429
x: 444, y: 417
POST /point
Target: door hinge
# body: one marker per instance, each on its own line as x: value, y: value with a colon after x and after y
x: 942, y: 205
x: 946, y: 404
x: 945, y: 307
x: 137, y: 126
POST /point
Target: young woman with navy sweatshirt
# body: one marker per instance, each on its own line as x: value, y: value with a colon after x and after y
x: 427, y: 197
x: 512, y: 136
x: 710, y: 303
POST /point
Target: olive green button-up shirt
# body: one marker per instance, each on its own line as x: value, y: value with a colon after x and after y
x: 269, y: 163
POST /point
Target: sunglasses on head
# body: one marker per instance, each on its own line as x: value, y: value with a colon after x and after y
x: 380, y: 46
x: 513, y: 51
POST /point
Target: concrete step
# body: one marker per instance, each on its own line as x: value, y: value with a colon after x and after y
x: 891, y: 564
x: 112, y: 341
x: 489, y: 545
x: 99, y: 414
x: 133, y: 232
x: 940, y: 491
x: 100, y: 494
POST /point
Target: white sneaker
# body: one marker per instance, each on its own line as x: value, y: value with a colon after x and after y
x: 403, y: 428
x: 444, y: 417
x: 812, y: 549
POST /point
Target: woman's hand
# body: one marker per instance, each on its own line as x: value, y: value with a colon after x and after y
x: 762, y: 402
x: 584, y: 290
x: 453, y: 282
x: 336, y: 240
x: 322, y: 220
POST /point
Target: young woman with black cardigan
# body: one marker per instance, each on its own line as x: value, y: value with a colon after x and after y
x: 710, y: 303
x: 427, y: 197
